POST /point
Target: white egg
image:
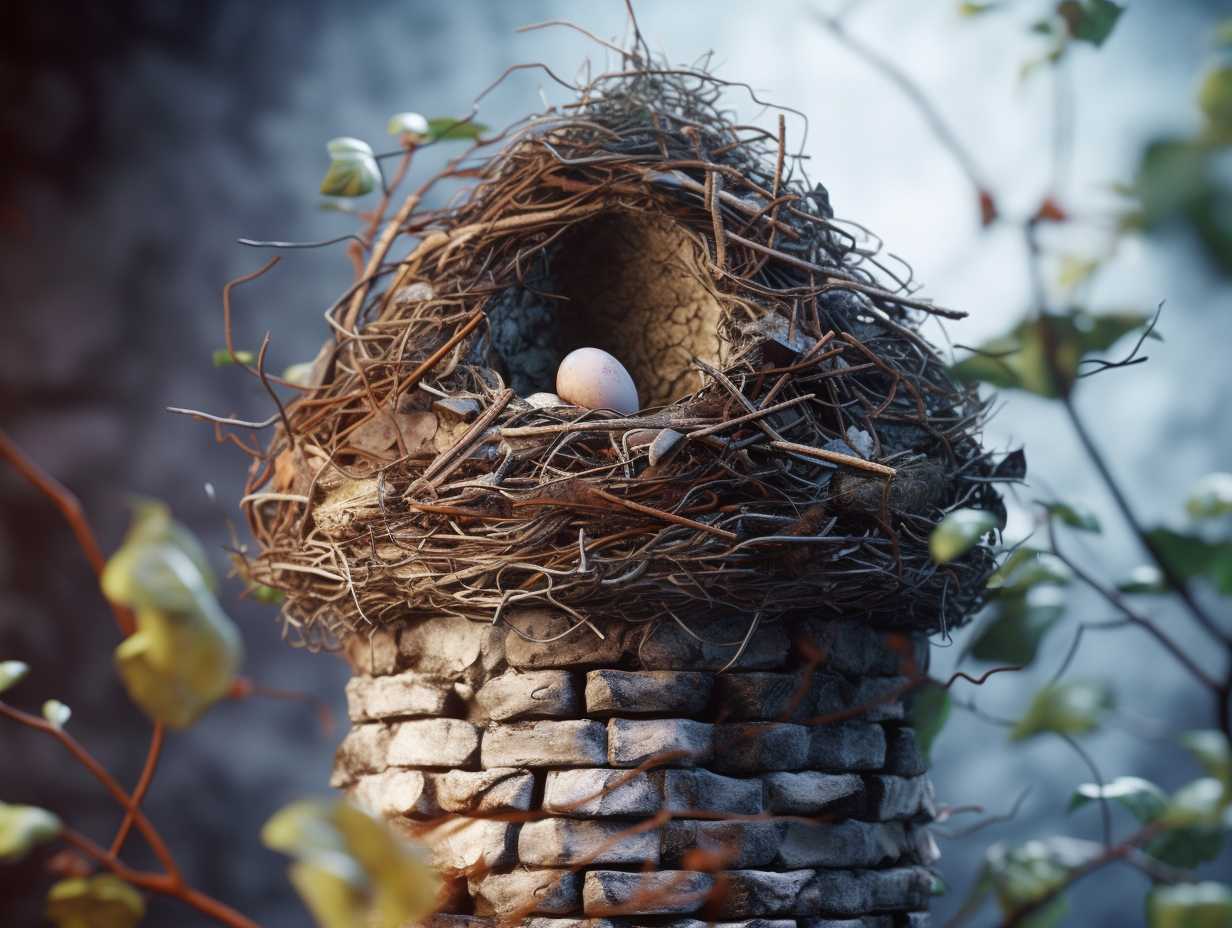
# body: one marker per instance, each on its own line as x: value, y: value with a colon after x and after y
x: 593, y: 379
x: 545, y: 400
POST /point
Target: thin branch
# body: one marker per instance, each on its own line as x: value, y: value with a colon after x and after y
x: 157, y: 736
x: 157, y: 882
x: 70, y: 507
x: 99, y: 772
x: 911, y: 90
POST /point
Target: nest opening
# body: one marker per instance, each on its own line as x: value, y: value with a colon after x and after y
x: 633, y: 284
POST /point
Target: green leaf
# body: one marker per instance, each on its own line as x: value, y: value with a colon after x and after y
x: 443, y: 128
x: 959, y: 532
x: 222, y: 357
x: 1020, y: 359
x: 1090, y: 20
x: 1026, y: 568
x: 353, y: 170
x: 186, y: 652
x: 971, y: 8
x: 346, y: 146
x: 1192, y: 556
x: 56, y: 713
x: 1024, y: 875
x: 300, y: 373
x: 408, y: 124
x: 1197, y: 803
x: 1146, y: 579
x: 12, y: 673
x: 351, y: 869
x: 22, y: 828
x: 1189, y: 905
x: 1145, y: 801
x: 1213, y: 752
x: 929, y: 710
x: 1180, y: 180
x: 102, y: 901
x: 1210, y: 497
x: 1068, y: 708
x: 1187, y: 848
x: 1215, y: 98
x: 1016, y: 625
x: 1197, y: 819
x: 1074, y: 516
x: 266, y: 594
x: 1074, y: 271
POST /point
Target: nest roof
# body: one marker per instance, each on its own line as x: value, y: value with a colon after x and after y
x: 801, y: 437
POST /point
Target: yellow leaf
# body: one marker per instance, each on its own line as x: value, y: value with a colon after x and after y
x: 102, y: 901
x: 351, y: 870
x: 186, y: 651
x: 23, y: 827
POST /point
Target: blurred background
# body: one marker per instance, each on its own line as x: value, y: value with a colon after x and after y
x: 142, y: 139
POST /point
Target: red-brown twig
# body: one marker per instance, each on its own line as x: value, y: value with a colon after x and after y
x: 70, y: 508
x: 161, y: 883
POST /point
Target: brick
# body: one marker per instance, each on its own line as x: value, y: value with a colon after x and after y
x: 557, y: 842
x: 847, y: 747
x: 923, y: 845
x: 841, y: 892
x: 401, y: 695
x: 534, y: 694
x: 662, y: 892
x: 571, y: 743
x: 891, y: 797
x: 631, y: 742
x: 883, y: 698
x: 732, y: 844
x: 496, y: 790
x: 752, y: 893
x: 903, y: 755
x: 461, y: 844
x: 746, y: 923
x: 900, y: 888
x: 700, y: 791
x: 747, y: 697
x: 590, y: 792
x: 840, y: 844
x: 446, y: 920
x: 670, y: 647
x: 548, y: 892
x: 753, y: 747
x: 579, y: 647
x: 648, y: 692
x: 395, y: 792
x: 850, y: 648
x: 450, y: 648
x: 373, y: 654
x: 365, y: 749
x: 809, y: 792
x: 433, y: 743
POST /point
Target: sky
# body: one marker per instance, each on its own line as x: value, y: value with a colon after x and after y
x: 145, y: 138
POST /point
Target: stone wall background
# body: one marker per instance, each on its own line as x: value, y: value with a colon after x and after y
x: 140, y: 139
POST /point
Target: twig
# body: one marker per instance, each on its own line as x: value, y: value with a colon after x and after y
x: 157, y: 882
x: 836, y: 457
x: 907, y: 85
x: 70, y: 507
x: 157, y: 736
x: 99, y: 772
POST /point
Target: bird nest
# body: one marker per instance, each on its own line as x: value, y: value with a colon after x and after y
x: 798, y: 441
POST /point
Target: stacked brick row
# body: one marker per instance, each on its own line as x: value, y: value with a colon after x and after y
x: 518, y: 748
